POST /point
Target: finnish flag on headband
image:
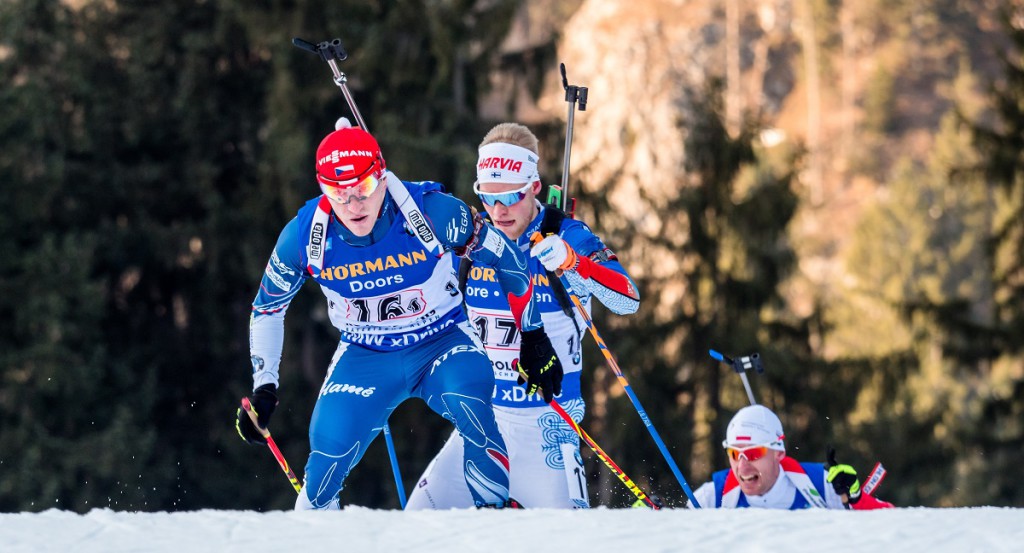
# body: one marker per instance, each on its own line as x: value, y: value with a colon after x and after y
x: 506, y: 163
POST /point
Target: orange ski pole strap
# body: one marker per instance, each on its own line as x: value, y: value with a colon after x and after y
x: 247, y: 407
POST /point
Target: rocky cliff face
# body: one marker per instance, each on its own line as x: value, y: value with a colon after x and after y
x: 643, y: 61
x: 811, y: 77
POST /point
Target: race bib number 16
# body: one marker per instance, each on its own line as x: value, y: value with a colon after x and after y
x: 408, y: 303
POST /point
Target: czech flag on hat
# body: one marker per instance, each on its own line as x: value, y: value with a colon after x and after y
x: 346, y: 155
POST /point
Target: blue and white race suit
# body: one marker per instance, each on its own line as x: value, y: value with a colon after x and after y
x: 546, y: 466
x: 404, y: 333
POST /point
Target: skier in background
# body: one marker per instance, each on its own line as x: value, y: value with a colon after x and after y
x: 761, y: 475
x: 404, y: 331
x: 546, y: 469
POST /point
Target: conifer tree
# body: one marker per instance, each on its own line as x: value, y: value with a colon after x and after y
x: 150, y: 155
x: 999, y: 135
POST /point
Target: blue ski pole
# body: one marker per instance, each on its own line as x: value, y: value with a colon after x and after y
x: 394, y: 465
x: 629, y: 392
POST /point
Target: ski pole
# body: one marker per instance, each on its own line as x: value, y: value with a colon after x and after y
x: 616, y: 470
x: 741, y: 366
x: 629, y: 392
x: 394, y: 464
x: 273, y: 446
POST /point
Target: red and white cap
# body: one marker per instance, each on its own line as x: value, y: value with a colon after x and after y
x: 347, y: 155
x: 755, y: 425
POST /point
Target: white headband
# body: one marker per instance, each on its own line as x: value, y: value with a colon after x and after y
x: 506, y: 163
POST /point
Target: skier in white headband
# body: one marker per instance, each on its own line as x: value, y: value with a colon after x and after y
x: 545, y: 465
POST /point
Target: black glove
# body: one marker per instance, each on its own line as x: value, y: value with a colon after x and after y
x: 264, y: 401
x: 538, y: 365
x: 842, y: 477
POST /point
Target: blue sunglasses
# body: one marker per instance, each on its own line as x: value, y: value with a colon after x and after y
x: 507, y: 199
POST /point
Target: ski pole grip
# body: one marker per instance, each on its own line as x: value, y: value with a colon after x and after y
x: 583, y: 98
x: 247, y: 406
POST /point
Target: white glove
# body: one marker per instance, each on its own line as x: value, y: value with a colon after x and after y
x: 554, y: 254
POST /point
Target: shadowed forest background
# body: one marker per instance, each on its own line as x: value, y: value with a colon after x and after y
x: 838, y: 186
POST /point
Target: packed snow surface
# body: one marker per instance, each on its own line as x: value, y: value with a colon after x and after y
x: 988, y: 529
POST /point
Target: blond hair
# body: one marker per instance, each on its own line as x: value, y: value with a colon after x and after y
x: 512, y: 133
